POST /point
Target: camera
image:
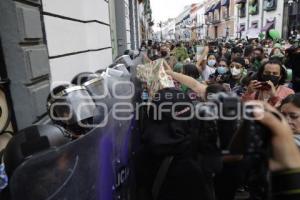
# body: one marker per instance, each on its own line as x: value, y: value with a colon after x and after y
x: 234, y: 125
x: 265, y: 86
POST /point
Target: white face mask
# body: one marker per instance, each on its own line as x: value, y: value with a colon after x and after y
x: 211, y: 63
x: 235, y: 71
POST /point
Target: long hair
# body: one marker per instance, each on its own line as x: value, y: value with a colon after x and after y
x: 293, y: 98
x: 191, y: 70
x: 283, y: 71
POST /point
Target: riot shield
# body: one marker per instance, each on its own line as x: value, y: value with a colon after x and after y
x: 97, y: 166
x: 94, y: 167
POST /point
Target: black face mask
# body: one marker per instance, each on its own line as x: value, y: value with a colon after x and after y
x: 274, y: 79
x: 164, y: 54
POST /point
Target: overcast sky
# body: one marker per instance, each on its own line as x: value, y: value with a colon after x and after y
x: 164, y: 9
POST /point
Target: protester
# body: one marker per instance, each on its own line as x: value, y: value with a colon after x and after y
x: 269, y: 86
x: 213, y: 89
x: 188, y: 81
x: 248, y: 75
x: 285, y: 160
x: 257, y: 57
x: 178, y: 67
x: 191, y: 71
x: 237, y: 69
x: 222, y: 72
x: 290, y: 108
x: 165, y: 53
x: 236, y: 52
x: 190, y: 50
x: 181, y: 52
x: 277, y: 53
x: 169, y: 144
x: 247, y: 55
x: 209, y: 68
x: 225, y: 52
x: 254, y: 43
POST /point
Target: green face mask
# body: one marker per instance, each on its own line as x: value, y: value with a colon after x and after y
x: 178, y: 67
x: 184, y: 88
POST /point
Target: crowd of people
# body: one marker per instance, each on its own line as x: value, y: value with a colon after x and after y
x: 266, y: 72
x: 175, y: 156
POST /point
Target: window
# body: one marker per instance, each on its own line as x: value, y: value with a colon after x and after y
x: 217, y: 15
x: 253, y: 7
x: 242, y: 10
x: 270, y: 5
x: 225, y: 11
x: 211, y: 17
x: 254, y: 24
x: 242, y: 27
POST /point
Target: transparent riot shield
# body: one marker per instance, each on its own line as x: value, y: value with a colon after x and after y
x: 96, y: 166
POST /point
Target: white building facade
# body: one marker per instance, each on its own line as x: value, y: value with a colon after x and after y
x: 258, y: 16
x: 78, y: 37
x: 168, y: 30
x: 90, y: 34
x: 183, y: 25
x: 200, y: 25
x: 48, y: 42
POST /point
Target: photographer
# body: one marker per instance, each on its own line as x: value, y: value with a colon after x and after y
x: 269, y: 86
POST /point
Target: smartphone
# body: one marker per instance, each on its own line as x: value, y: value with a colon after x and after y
x: 265, y: 86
